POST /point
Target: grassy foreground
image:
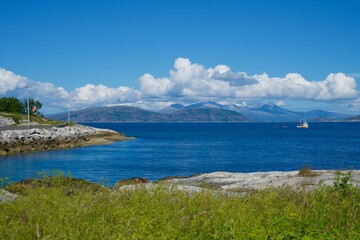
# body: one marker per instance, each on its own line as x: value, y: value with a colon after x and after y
x: 66, y: 208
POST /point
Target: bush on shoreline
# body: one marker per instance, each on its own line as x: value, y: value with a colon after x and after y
x: 47, y: 210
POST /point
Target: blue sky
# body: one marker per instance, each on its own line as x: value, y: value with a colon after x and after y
x: 68, y: 48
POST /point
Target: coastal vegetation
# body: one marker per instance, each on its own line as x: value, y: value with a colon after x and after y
x: 307, y: 171
x: 14, y: 105
x: 20, y: 118
x: 15, y: 110
x: 11, y: 105
x: 62, y: 207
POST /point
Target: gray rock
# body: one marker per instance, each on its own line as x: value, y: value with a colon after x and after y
x: 153, y: 186
x: 4, y: 121
x: 260, y: 180
x: 6, y: 196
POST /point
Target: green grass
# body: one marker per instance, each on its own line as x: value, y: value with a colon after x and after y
x: 61, y: 207
x: 42, y: 120
x: 19, y: 118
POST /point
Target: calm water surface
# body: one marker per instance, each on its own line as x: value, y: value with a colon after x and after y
x: 168, y: 149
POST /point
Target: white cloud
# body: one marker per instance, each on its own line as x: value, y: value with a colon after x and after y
x: 187, y: 83
x: 21, y: 87
x: 91, y: 94
x: 187, y: 80
x: 190, y: 79
x: 224, y: 73
x: 280, y: 103
x: 57, y: 98
x: 354, y: 75
x: 353, y: 105
x: 294, y: 86
x: 150, y: 105
x: 153, y: 88
x: 9, y: 81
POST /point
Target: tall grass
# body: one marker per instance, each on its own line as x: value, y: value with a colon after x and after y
x: 49, y: 212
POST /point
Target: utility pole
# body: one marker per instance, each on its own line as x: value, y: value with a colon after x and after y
x: 69, y: 114
x: 28, y: 105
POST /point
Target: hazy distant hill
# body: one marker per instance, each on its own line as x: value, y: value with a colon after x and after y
x: 172, y: 108
x: 113, y: 114
x: 321, y: 116
x: 353, y: 119
x: 264, y: 113
x: 268, y: 112
x: 133, y: 114
x: 199, y: 112
x: 273, y: 113
x: 208, y: 105
x: 175, y: 107
x: 207, y: 115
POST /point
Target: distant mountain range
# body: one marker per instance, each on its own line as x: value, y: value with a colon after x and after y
x: 265, y: 113
x: 353, y: 119
x: 134, y: 114
x: 199, y: 112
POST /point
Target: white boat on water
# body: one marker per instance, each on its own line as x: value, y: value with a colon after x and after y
x: 303, y: 124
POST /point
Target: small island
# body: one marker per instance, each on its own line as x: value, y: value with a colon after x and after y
x: 33, y: 140
x: 21, y: 133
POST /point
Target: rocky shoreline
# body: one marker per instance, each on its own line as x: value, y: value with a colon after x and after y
x: 220, y: 182
x: 33, y: 140
x: 244, y: 182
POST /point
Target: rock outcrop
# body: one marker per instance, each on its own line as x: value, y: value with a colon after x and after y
x: 228, y: 182
x: 4, y: 121
x: 22, y: 141
x: 242, y: 182
x: 6, y: 196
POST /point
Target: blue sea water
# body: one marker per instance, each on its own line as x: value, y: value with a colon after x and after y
x: 182, y: 149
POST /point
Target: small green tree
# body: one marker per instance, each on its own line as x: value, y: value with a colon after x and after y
x: 11, y: 105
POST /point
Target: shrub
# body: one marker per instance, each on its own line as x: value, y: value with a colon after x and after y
x: 307, y: 171
x: 16, y: 119
x: 342, y: 182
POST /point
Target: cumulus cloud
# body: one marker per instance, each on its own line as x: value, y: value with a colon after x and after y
x: 47, y: 90
x: 354, y: 75
x: 353, y: 105
x: 9, y: 81
x: 99, y: 94
x: 224, y: 73
x: 153, y: 88
x: 294, y: 86
x: 190, y: 79
x: 15, y: 85
x: 57, y: 98
x: 187, y: 83
x: 186, y: 80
